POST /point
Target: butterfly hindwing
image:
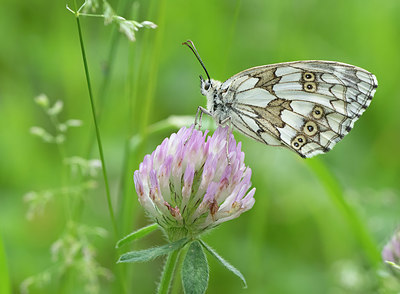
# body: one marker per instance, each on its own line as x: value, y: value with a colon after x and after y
x: 307, y: 106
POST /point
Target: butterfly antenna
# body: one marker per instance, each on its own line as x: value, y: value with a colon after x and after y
x: 190, y: 44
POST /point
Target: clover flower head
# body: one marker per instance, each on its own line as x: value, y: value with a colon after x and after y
x: 391, y: 251
x: 188, y: 186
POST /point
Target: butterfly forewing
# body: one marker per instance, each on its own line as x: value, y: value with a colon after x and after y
x: 307, y: 106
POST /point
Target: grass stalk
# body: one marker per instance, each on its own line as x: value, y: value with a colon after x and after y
x: 64, y: 170
x: 138, y: 119
x: 139, y: 116
x: 125, y: 185
x: 99, y: 144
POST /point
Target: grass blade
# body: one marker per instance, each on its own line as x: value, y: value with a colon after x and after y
x: 103, y: 163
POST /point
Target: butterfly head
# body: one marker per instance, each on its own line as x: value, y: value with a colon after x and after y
x: 208, y: 86
x: 205, y: 86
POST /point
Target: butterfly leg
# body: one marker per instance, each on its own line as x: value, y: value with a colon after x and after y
x: 197, y: 120
x: 227, y: 121
x: 199, y: 116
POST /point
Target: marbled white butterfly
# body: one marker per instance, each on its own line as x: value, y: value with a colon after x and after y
x: 306, y: 106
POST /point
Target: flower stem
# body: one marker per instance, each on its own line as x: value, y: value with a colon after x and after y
x: 168, y: 272
x: 111, y: 212
x: 177, y: 284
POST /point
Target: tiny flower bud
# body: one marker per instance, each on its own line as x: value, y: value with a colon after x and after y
x: 391, y: 251
x: 42, y: 100
x: 56, y: 108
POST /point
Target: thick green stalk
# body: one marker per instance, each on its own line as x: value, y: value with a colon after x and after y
x: 336, y: 194
x: 168, y: 272
x: 126, y: 183
x: 148, y: 55
x: 99, y: 144
x: 142, y: 55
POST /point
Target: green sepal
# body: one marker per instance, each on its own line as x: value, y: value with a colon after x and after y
x: 225, y: 263
x: 136, y: 235
x: 151, y: 253
x: 195, y: 270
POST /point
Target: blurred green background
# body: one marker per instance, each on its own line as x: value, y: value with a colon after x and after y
x: 297, y: 238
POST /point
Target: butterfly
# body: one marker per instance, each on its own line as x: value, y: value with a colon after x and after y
x: 306, y: 106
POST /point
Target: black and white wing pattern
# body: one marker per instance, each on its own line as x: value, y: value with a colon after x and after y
x: 307, y: 106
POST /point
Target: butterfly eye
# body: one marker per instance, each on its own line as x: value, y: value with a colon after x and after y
x: 207, y: 86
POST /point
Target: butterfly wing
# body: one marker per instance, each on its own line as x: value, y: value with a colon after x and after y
x: 307, y: 106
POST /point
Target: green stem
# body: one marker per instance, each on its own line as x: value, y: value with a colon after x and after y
x: 336, y: 194
x: 65, y: 181
x: 110, y: 208
x: 168, y: 272
x: 177, y: 284
x: 64, y: 169
x: 92, y: 15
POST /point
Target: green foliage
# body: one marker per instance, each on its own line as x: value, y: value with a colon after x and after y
x: 136, y: 235
x: 195, y: 270
x: 225, y: 263
x: 72, y: 254
x: 151, y: 253
x: 53, y: 112
x: 127, y: 27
